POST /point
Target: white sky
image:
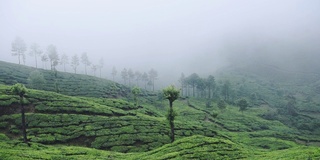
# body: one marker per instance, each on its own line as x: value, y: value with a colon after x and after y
x: 168, y: 35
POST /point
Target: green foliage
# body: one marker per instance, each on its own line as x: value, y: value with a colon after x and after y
x: 243, y: 104
x: 222, y: 105
x: 19, y: 89
x: 171, y: 93
x: 36, y: 80
x: 135, y: 91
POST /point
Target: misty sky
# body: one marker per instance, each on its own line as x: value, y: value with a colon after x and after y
x: 169, y: 35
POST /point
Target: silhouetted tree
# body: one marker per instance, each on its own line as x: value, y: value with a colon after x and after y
x: 182, y: 81
x: 85, y: 61
x: 145, y: 79
x: 64, y: 61
x: 201, y: 86
x: 44, y: 59
x: 114, y: 72
x: 101, y: 64
x: 75, y: 62
x: 18, y: 48
x: 171, y: 93
x: 94, y: 69
x: 226, y: 90
x: 130, y: 76
x: 124, y: 75
x: 138, y: 76
x: 53, y: 56
x: 35, y: 51
x: 210, y: 85
x: 192, y: 81
x: 153, y: 74
x: 21, y: 90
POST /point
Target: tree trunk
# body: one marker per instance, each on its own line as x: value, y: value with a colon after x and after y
x: 23, y: 121
x: 171, y: 122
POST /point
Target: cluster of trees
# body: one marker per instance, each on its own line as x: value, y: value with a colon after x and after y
x: 19, y: 49
x: 131, y: 78
x: 196, y: 86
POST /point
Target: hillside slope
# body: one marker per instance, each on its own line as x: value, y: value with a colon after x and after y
x: 68, y: 83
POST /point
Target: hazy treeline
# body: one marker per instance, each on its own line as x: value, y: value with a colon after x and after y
x: 52, y: 58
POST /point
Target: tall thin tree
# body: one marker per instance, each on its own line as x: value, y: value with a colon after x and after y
x: 35, y: 51
x: 85, y: 61
x: 171, y: 93
x: 20, y: 90
x: 18, y: 48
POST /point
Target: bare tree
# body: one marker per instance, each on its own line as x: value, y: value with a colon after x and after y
x: 75, y: 62
x: 18, y: 48
x: 138, y: 76
x: 131, y: 76
x: 64, y: 61
x: 85, y: 61
x: 53, y: 56
x: 124, y: 75
x: 114, y: 72
x: 145, y: 78
x: 35, y: 51
x: 153, y: 74
x: 94, y: 69
x: 101, y: 64
x: 44, y: 59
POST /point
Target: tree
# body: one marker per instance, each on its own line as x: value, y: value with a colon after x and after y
x: 75, y: 63
x: 153, y: 74
x: 201, y: 86
x: 44, y: 59
x: 64, y: 61
x: 18, y: 48
x: 182, y: 82
x: 222, y: 105
x: 171, y: 93
x: 290, y: 107
x: 53, y: 56
x: 192, y: 81
x: 94, y: 69
x: 35, y: 51
x: 124, y: 75
x: 243, y: 104
x: 211, y: 85
x: 101, y: 64
x: 20, y: 90
x: 135, y: 91
x: 145, y: 78
x: 138, y: 76
x: 226, y: 90
x: 36, y: 80
x: 130, y: 75
x: 85, y: 61
x: 114, y: 72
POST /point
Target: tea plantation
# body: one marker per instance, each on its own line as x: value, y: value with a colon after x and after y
x: 93, y: 118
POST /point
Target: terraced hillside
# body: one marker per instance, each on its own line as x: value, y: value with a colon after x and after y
x: 112, y: 124
x: 68, y: 83
x: 93, y: 126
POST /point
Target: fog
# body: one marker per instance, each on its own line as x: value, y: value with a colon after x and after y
x: 169, y: 36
